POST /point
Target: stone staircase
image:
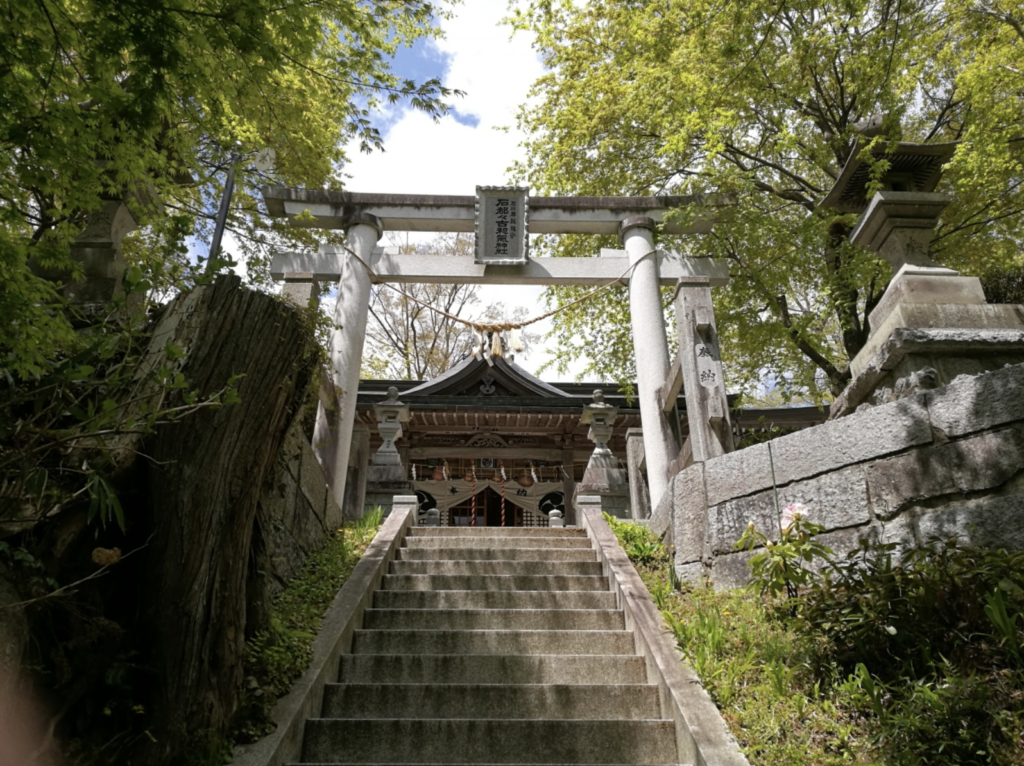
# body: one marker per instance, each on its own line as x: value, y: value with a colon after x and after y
x: 492, y: 646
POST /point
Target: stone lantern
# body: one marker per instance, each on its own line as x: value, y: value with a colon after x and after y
x: 603, y: 476
x: 386, y: 477
x: 931, y: 323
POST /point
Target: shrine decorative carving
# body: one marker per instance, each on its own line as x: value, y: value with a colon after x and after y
x: 486, y: 440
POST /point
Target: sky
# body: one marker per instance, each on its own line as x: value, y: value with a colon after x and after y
x: 471, y: 146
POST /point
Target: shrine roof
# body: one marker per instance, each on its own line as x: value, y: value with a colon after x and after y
x: 491, y: 384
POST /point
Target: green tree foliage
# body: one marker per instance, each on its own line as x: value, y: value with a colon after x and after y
x: 156, y: 99
x: 760, y: 103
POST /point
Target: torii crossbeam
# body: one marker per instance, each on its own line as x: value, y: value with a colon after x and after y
x: 366, y: 216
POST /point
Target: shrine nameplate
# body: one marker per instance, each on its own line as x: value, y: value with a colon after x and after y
x: 501, y: 225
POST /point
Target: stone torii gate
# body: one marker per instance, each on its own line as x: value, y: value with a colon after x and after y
x: 365, y: 217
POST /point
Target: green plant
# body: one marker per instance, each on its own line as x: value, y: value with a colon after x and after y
x: 996, y: 609
x: 278, y: 654
x: 779, y: 567
x: 67, y: 430
x: 891, y: 614
x: 641, y: 545
x: 369, y: 523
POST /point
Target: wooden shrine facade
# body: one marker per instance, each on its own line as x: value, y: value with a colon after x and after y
x: 490, y: 430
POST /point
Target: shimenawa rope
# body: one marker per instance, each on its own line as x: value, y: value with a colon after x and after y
x: 496, y: 328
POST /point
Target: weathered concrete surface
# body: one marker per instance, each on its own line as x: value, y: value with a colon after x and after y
x: 639, y: 497
x: 660, y: 521
x: 920, y: 315
x: 909, y: 287
x: 650, y: 349
x: 835, y: 500
x: 296, y: 511
x: 327, y: 265
x: 973, y: 404
x: 422, y: 212
x: 948, y: 461
x: 690, y: 514
x: 950, y: 351
x: 993, y: 522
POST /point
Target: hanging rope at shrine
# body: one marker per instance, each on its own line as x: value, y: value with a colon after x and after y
x: 472, y: 519
x: 501, y: 467
x: 496, y: 328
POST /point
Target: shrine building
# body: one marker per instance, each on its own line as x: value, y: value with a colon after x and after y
x: 487, y: 431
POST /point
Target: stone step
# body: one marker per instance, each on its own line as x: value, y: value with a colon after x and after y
x: 495, y: 532
x: 494, y: 582
x: 510, y: 642
x: 451, y: 741
x: 497, y: 701
x: 499, y: 553
x: 493, y: 599
x: 466, y: 668
x: 497, y: 619
x: 494, y: 541
x: 476, y: 568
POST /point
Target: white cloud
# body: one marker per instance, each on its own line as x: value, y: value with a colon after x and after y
x: 447, y: 157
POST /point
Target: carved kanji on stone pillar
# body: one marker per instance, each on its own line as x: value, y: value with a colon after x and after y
x: 707, y: 408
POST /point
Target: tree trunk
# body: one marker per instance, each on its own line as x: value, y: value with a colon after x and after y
x: 204, y: 482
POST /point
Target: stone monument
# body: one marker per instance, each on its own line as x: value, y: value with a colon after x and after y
x: 603, y: 476
x: 386, y: 477
x: 931, y: 324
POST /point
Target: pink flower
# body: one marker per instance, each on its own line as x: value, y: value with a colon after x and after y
x: 791, y: 513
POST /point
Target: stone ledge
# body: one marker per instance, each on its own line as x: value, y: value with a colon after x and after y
x: 835, y: 501
x: 702, y: 736
x: 905, y: 341
x: 981, y: 521
x: 974, y: 464
x: 972, y: 404
x: 689, y: 517
x: 962, y: 316
x: 880, y: 431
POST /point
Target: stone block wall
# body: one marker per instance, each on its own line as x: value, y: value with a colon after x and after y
x: 296, y: 513
x: 947, y: 462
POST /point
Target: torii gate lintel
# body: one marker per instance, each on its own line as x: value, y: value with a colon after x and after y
x: 366, y: 216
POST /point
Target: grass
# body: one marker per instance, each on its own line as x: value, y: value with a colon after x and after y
x: 275, y: 657
x: 891, y: 662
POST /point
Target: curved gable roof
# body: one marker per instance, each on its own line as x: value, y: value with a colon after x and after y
x: 503, y: 375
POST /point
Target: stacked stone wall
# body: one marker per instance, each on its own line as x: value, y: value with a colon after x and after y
x: 296, y: 512
x: 946, y: 462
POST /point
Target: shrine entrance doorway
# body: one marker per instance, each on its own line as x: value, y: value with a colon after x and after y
x: 488, y: 511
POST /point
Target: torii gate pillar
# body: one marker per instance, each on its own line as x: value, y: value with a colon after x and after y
x: 650, y: 346
x: 332, y: 436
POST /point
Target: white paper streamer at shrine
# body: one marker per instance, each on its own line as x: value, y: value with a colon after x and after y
x: 456, y: 491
